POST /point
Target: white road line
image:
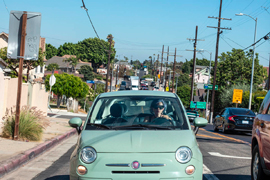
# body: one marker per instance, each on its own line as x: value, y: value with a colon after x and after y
x: 226, y: 156
x: 208, y: 174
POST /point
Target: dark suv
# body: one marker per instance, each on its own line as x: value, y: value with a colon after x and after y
x: 260, y: 164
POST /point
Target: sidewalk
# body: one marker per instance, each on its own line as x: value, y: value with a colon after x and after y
x: 14, y: 154
x: 65, y: 113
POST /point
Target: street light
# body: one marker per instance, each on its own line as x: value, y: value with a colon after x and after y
x: 252, y: 71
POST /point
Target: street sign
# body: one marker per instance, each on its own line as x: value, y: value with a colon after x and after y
x: 167, y: 88
x: 237, y: 96
x: 52, y: 80
x: 90, y: 81
x: 198, y: 105
x: 210, y: 86
x: 32, y: 35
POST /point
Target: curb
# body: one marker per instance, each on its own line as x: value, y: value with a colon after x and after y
x: 17, y: 161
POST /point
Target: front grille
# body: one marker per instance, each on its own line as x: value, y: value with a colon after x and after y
x: 135, y: 172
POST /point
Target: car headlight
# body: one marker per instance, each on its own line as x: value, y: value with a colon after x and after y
x: 88, y: 155
x: 183, y: 154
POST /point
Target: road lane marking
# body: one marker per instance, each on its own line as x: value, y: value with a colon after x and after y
x: 202, y: 135
x: 207, y: 173
x: 227, y: 137
x: 227, y: 156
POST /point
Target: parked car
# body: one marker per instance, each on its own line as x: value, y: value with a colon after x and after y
x: 153, y: 83
x: 136, y: 135
x: 155, y: 88
x: 234, y: 119
x: 192, y: 114
x: 144, y: 88
x: 260, y: 163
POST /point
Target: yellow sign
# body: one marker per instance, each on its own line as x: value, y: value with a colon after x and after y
x: 158, y: 76
x: 237, y: 96
x: 167, y: 88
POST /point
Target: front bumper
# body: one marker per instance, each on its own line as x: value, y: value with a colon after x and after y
x: 172, y: 169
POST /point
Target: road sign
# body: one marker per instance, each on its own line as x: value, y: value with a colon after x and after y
x: 167, y: 88
x: 210, y: 86
x: 198, y: 105
x: 90, y: 81
x: 52, y: 80
x: 237, y: 96
x: 32, y: 35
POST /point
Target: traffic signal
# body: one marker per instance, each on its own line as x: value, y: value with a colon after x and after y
x: 158, y: 71
x: 125, y: 69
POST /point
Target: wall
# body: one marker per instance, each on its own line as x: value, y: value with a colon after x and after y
x: 32, y: 95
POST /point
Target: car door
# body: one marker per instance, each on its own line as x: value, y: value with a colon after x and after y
x: 265, y: 136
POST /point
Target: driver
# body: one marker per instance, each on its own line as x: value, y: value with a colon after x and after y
x: 157, y: 110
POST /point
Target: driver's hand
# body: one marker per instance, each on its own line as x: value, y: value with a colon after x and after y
x: 166, y: 117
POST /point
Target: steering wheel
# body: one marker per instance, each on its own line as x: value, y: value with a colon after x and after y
x: 161, y: 121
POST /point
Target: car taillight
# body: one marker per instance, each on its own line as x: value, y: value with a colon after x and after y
x: 231, y: 118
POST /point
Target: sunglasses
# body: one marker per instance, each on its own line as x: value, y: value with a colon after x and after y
x: 160, y: 107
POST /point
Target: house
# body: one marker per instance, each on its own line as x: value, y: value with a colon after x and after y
x: 66, y: 66
x: 126, y: 64
x: 38, y: 71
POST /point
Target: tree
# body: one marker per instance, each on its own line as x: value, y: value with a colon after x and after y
x: 13, y: 64
x: 186, y: 67
x: 92, y: 50
x: 184, y: 94
x: 184, y: 79
x: 87, y: 71
x: 68, y: 85
x: 50, y: 51
x: 52, y: 66
x: 235, y: 67
x: 73, y: 61
x: 67, y: 49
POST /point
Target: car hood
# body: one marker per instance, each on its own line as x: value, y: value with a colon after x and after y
x: 137, y: 140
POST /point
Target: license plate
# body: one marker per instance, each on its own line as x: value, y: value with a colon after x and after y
x: 245, y: 122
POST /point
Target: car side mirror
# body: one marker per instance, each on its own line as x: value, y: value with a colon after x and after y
x: 76, y: 123
x: 200, y: 122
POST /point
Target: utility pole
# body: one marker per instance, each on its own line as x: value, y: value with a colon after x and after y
x: 111, y: 80
x: 161, y: 66
x: 110, y: 37
x: 157, y: 67
x: 174, y: 64
x: 194, y: 62
x: 269, y: 74
x: 19, y: 91
x: 166, y: 69
x: 216, y: 57
x: 116, y: 79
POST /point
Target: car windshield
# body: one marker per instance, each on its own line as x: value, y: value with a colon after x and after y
x: 143, y: 113
x: 242, y: 112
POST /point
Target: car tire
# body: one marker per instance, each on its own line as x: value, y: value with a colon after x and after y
x: 256, y: 166
x: 224, y: 130
x: 215, y: 127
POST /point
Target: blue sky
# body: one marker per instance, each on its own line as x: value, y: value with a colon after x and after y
x: 141, y: 27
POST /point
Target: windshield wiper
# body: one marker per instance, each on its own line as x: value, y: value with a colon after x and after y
x: 99, y: 125
x: 143, y: 126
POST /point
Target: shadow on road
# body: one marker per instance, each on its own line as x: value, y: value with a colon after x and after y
x: 60, y: 177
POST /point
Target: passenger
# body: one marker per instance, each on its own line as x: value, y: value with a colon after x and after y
x: 157, y: 109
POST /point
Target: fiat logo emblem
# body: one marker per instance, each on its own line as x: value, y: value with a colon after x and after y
x: 135, y: 164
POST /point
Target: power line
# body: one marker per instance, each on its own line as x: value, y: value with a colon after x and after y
x: 6, y: 6
x: 257, y: 41
x: 226, y: 42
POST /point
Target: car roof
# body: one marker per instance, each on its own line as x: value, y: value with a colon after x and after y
x: 137, y: 93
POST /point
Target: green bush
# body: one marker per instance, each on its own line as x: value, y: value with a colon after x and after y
x: 31, y: 124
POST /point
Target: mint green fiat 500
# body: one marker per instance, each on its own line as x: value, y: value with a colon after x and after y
x: 136, y: 135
